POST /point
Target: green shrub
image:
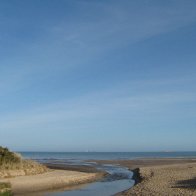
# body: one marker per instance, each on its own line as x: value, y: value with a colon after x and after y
x: 5, y: 189
x: 13, y: 161
x: 4, y: 185
x: 6, y: 156
x: 7, y: 193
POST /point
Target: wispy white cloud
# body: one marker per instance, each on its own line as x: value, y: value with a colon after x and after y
x: 78, y: 43
x: 121, y: 101
x: 119, y: 25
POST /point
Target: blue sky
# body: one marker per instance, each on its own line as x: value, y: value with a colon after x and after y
x: 103, y: 75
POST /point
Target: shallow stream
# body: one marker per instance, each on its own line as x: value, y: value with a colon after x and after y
x: 118, y: 179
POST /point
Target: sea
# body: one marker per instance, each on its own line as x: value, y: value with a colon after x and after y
x: 77, y: 156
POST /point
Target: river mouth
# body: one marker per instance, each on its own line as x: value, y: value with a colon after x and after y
x: 118, y: 179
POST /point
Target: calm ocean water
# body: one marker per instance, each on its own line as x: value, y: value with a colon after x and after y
x: 105, y: 155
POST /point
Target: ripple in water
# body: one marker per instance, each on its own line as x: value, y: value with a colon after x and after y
x: 119, y: 179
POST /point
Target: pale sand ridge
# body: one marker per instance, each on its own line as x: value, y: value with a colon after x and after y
x: 49, y: 180
x: 178, y: 180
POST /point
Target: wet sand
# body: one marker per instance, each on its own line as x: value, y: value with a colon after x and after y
x: 153, y: 177
x: 160, y: 176
x: 80, y: 168
x: 138, y: 163
x: 53, y: 179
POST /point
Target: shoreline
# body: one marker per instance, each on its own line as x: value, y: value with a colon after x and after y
x: 145, y: 162
x: 142, y: 173
x: 55, y: 179
x: 175, y: 179
x: 152, y: 176
x: 159, y: 176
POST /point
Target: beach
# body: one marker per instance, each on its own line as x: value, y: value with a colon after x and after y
x: 160, y: 176
x: 156, y: 176
x: 153, y: 176
x: 178, y: 179
x: 50, y: 180
x: 97, y: 97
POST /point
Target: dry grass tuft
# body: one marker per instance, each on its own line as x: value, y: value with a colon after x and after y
x: 12, y: 164
x: 5, y: 189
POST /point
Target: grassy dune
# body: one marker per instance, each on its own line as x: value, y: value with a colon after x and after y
x: 12, y: 164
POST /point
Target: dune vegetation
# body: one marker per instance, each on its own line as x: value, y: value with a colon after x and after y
x: 8, y: 160
x: 12, y: 164
x: 5, y: 189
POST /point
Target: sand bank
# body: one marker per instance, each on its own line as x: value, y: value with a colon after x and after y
x: 138, y: 163
x: 167, y: 176
x: 50, y: 180
x: 178, y: 179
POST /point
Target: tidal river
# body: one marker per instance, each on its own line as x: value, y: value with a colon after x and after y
x: 117, y: 180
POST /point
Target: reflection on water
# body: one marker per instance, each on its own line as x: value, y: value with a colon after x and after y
x: 98, y: 189
x: 119, y: 179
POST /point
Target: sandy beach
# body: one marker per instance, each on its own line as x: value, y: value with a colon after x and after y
x: 152, y: 176
x: 179, y: 179
x: 160, y: 176
x: 53, y: 179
